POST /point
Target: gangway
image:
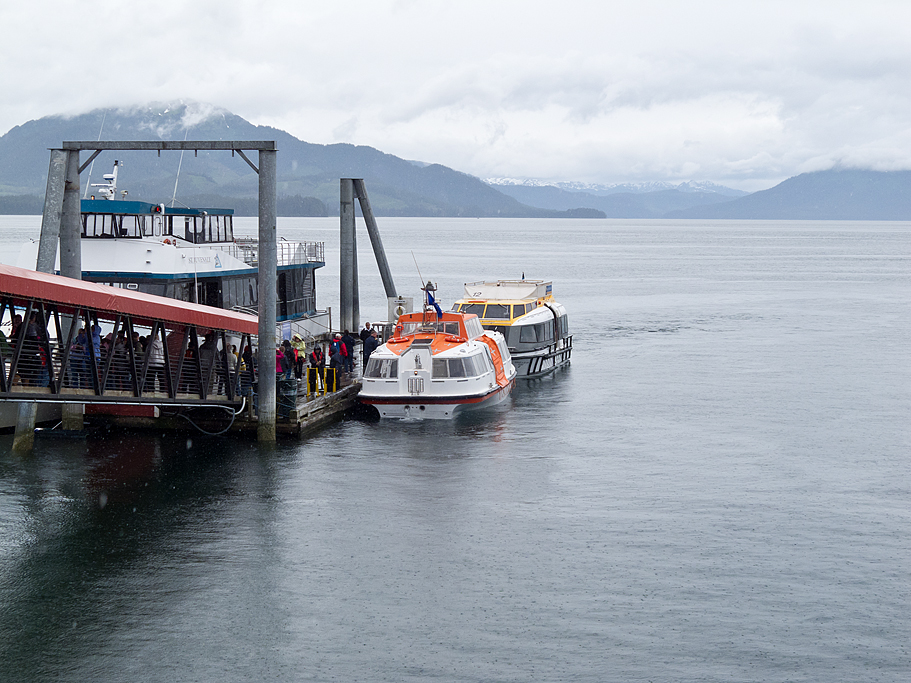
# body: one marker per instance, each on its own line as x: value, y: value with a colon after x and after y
x: 46, y: 358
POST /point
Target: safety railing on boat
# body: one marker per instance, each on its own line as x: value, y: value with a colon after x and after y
x: 246, y: 249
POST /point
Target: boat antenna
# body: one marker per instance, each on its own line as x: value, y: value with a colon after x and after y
x: 179, y: 164
x: 421, y: 277
x: 88, y: 181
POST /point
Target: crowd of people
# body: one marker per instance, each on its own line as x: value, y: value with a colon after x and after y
x: 328, y: 367
x: 94, y: 358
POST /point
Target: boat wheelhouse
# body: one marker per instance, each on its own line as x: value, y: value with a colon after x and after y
x: 535, y: 326
x: 438, y: 365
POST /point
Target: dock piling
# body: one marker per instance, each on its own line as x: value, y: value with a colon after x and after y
x: 360, y: 191
x: 349, y: 299
x: 268, y: 294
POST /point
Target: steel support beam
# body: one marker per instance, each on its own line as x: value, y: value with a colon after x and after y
x: 268, y: 294
x: 373, y: 231
x: 349, y: 318
x: 71, y: 222
x: 53, y: 212
x: 170, y: 145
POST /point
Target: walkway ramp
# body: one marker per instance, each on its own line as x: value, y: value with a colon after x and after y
x: 147, y: 349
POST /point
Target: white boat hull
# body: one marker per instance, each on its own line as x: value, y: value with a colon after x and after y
x: 441, y: 408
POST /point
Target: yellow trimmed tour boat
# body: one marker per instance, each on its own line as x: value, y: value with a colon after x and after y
x: 437, y: 365
x: 524, y: 311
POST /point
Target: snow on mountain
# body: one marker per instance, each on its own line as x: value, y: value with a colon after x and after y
x: 616, y: 188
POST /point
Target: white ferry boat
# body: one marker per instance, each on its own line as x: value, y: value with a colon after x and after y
x: 190, y: 254
x: 437, y: 365
x: 534, y: 325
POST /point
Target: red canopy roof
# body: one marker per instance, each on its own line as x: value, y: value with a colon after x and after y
x: 30, y: 284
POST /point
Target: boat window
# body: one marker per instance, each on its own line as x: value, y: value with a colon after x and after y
x: 528, y: 335
x: 220, y: 228
x: 382, y: 368
x: 497, y: 312
x: 440, y: 368
x: 548, y: 331
x: 447, y: 327
x: 102, y: 225
x: 474, y: 366
x: 477, y: 309
x: 456, y: 369
x: 473, y: 328
x: 564, y: 325
x: 518, y: 310
x: 488, y: 363
x: 132, y: 226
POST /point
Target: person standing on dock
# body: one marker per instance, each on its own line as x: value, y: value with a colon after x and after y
x: 289, y: 359
x: 370, y: 345
x: 336, y: 367
x: 349, y: 341
x: 156, y: 375
x: 318, y: 363
x: 300, y: 349
x: 79, y: 361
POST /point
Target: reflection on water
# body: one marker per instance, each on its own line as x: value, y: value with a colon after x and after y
x: 715, y: 489
x: 95, y: 511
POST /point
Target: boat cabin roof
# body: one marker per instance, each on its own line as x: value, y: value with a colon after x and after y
x: 508, y: 290
x: 131, y: 206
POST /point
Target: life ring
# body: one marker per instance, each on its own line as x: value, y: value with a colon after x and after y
x: 167, y: 241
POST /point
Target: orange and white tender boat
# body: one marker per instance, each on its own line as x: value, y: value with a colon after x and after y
x: 438, y: 365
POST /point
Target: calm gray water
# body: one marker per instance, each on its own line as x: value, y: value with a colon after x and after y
x: 717, y: 489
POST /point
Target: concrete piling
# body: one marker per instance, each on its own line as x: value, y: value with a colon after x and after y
x: 268, y: 296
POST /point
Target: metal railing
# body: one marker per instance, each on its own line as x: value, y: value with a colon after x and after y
x: 46, y: 358
x: 246, y: 249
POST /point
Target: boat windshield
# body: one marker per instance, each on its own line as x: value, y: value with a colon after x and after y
x: 469, y: 366
x: 206, y: 228
x: 497, y: 312
x: 449, y: 327
x: 477, y: 309
x: 115, y: 225
x: 382, y: 368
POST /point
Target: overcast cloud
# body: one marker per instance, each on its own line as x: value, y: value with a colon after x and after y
x: 741, y: 93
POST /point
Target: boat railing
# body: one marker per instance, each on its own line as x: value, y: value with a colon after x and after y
x: 289, y: 253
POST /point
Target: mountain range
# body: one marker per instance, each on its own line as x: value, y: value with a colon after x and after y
x: 836, y: 194
x: 624, y: 203
x: 308, y: 176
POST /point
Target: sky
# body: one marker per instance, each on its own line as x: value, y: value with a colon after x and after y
x: 744, y: 94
